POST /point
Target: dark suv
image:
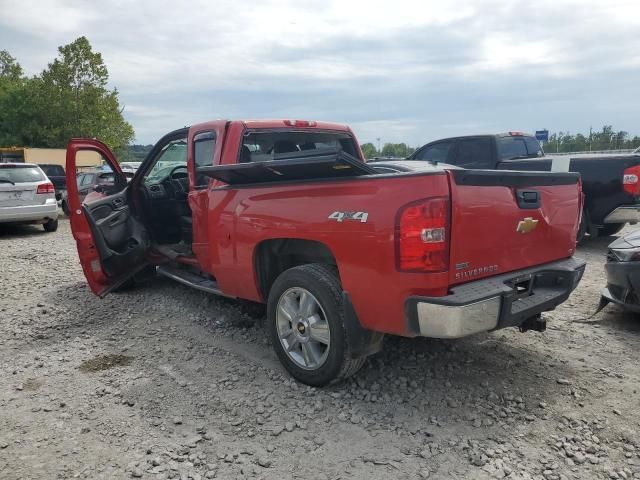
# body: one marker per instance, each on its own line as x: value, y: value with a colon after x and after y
x: 56, y: 174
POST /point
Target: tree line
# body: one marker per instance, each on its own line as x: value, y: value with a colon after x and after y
x: 605, y: 139
x: 400, y: 150
x: 70, y: 98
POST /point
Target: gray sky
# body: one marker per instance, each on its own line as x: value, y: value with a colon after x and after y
x: 405, y: 71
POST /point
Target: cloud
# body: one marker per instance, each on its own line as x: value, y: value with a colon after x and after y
x: 405, y: 71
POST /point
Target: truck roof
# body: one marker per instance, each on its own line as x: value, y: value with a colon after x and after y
x: 284, y: 123
x: 512, y: 133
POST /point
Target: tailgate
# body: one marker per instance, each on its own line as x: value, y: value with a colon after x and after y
x: 503, y: 221
x: 18, y: 195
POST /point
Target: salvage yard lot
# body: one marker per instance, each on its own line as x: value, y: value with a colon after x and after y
x: 166, y: 382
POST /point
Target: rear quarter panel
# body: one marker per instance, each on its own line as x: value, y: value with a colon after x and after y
x: 241, y: 218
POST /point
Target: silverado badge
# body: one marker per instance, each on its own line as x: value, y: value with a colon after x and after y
x: 527, y: 225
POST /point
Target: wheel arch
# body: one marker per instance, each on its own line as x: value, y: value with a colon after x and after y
x: 275, y: 255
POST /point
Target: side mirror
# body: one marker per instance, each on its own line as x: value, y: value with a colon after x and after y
x: 98, y: 188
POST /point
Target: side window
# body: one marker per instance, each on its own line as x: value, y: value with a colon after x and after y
x: 87, y: 180
x: 474, y: 153
x: 437, y: 152
x: 204, y: 146
x: 79, y: 179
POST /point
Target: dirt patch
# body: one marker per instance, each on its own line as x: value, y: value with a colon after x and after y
x: 31, y: 384
x: 105, y: 362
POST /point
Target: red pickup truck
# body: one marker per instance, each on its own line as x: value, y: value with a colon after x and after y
x: 289, y: 214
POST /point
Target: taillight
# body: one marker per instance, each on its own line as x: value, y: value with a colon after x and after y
x: 422, y: 236
x: 631, y: 180
x: 45, y: 188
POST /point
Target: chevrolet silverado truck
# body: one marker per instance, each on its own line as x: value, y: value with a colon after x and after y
x: 288, y: 213
x: 610, y: 182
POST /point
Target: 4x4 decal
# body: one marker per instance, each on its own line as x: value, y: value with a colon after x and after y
x: 355, y: 216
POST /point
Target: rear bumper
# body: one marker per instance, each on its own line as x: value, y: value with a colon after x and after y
x: 623, y: 284
x: 30, y: 213
x: 502, y: 301
x: 624, y: 214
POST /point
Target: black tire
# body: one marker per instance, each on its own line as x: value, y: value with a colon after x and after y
x: 51, y: 225
x: 65, y: 208
x: 321, y: 281
x: 610, y: 229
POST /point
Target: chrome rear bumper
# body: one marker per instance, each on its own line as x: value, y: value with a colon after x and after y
x: 507, y: 300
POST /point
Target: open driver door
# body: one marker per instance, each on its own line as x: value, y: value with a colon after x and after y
x: 112, y: 243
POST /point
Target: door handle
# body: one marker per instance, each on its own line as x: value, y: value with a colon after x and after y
x: 528, y: 199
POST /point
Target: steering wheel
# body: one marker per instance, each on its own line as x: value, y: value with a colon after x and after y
x: 174, y: 169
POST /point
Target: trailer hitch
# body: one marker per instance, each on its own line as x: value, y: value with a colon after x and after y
x: 535, y: 323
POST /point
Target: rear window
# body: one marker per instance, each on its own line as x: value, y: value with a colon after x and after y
x: 534, y: 148
x: 519, y: 146
x: 512, y: 147
x: 52, y: 170
x: 26, y: 174
x: 262, y: 146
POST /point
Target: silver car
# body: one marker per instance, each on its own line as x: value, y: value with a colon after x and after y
x: 27, y: 196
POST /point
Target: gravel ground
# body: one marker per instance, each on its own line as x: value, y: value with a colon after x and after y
x: 167, y: 382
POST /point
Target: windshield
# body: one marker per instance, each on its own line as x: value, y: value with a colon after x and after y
x: 173, y: 155
x: 15, y: 174
x: 262, y: 146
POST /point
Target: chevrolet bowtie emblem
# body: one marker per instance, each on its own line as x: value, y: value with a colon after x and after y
x: 527, y: 225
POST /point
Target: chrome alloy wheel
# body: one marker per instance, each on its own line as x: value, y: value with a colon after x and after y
x: 303, y: 328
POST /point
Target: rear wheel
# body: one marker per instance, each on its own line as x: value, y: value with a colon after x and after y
x: 610, y: 229
x: 305, y: 317
x: 50, y: 225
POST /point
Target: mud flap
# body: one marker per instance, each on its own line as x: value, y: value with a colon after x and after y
x: 604, y: 301
x: 361, y: 342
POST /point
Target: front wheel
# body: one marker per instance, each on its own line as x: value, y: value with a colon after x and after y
x: 305, y: 317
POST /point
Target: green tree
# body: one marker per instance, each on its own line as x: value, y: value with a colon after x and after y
x: 73, y: 100
x: 400, y: 150
x: 69, y: 99
x: 369, y: 150
x: 12, y: 90
x: 9, y: 68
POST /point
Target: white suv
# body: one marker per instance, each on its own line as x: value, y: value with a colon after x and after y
x: 27, y: 196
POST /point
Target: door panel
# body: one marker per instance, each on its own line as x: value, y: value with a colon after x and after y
x: 112, y: 243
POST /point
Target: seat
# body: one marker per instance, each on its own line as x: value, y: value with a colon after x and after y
x: 284, y: 146
x: 245, y: 154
